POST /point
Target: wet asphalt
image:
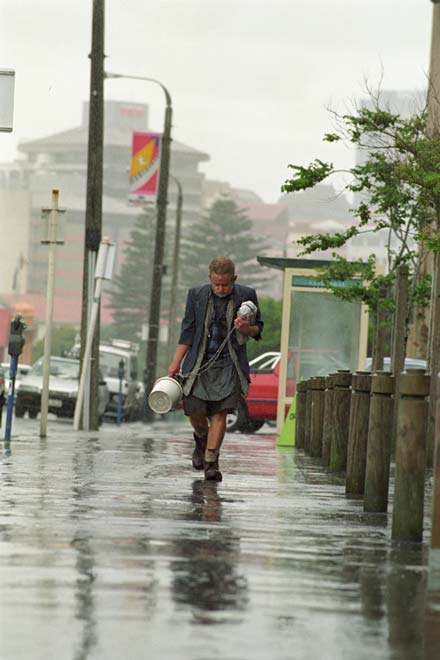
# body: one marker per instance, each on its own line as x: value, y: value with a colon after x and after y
x: 113, y: 547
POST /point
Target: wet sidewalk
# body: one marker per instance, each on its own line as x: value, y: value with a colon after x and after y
x: 112, y: 547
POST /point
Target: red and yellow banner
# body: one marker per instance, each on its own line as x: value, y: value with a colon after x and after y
x: 145, y: 166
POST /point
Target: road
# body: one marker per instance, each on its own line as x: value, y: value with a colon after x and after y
x: 113, y: 547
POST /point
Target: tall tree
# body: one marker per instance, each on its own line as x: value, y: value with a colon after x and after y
x: 224, y: 231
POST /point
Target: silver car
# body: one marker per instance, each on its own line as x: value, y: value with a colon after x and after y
x: 63, y: 389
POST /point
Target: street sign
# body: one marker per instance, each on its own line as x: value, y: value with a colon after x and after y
x: 7, y: 84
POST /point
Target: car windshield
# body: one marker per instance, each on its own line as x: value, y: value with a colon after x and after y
x: 61, y: 368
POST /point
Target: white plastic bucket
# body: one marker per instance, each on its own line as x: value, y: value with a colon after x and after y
x: 165, y: 395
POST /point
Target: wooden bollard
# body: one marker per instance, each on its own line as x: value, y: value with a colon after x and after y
x: 317, y: 416
x: 435, y: 529
x: 341, y: 418
x: 358, y: 433
x: 380, y: 434
x: 409, y: 487
x: 307, y: 426
x: 301, y: 397
x: 434, y: 551
x: 327, y: 424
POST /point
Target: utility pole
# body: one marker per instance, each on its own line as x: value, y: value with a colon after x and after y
x: 158, y: 266
x: 420, y: 330
x: 433, y: 263
x: 52, y: 240
x: 175, y: 275
x: 93, y: 224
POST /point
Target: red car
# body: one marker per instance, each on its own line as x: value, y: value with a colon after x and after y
x: 260, y: 405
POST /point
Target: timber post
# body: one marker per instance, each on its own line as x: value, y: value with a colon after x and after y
x: 317, y: 415
x: 300, y: 423
x: 380, y: 428
x: 358, y: 433
x: 341, y: 419
x: 409, y: 487
x: 308, y: 422
x: 434, y: 551
x: 327, y: 421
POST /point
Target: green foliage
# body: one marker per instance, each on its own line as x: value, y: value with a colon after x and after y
x: 272, y: 311
x: 399, y: 182
x: 324, y: 242
x: 307, y: 177
x: 224, y: 231
x: 422, y: 291
x: 63, y: 338
x: 331, y: 137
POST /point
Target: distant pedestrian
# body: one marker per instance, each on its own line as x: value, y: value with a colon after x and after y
x: 215, y: 366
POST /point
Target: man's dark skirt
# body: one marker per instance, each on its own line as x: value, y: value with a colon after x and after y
x: 192, y: 405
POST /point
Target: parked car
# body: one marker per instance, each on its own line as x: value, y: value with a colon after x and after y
x: 110, y: 356
x: 410, y: 363
x: 63, y: 389
x: 22, y: 370
x: 260, y: 404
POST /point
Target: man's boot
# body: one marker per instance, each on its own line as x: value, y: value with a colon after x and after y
x: 212, y: 472
x: 199, y: 452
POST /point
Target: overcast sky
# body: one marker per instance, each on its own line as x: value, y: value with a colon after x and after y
x: 250, y: 79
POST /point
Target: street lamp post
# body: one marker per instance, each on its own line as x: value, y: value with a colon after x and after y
x: 159, y: 245
x: 174, y: 280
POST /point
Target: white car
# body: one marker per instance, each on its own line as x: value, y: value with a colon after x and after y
x: 112, y: 355
x: 410, y: 363
x: 63, y: 389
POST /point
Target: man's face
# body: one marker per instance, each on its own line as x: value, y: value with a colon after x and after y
x: 222, y: 284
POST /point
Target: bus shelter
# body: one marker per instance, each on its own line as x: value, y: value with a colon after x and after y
x: 320, y: 333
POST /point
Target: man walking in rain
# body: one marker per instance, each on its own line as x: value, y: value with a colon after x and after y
x: 219, y: 318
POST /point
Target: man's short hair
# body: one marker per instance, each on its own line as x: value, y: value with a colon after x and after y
x: 222, y: 266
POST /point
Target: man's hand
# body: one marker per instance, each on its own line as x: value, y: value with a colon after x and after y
x: 243, y: 326
x: 174, y: 368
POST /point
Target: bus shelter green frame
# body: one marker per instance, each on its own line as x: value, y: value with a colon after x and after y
x: 303, y: 275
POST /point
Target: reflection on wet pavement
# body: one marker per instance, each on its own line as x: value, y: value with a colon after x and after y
x: 113, y: 547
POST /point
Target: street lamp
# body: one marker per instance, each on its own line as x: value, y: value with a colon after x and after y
x: 162, y: 201
x: 176, y: 254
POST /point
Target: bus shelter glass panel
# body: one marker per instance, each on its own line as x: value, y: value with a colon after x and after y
x: 323, y: 336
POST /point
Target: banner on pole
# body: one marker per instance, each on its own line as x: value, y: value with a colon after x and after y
x: 145, y: 167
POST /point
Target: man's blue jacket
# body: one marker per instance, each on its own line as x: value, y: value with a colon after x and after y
x: 193, y: 323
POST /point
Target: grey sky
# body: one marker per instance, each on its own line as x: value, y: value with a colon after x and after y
x: 250, y: 79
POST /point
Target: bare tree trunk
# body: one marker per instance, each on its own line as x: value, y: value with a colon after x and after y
x: 433, y: 358
x: 400, y: 336
x: 418, y: 335
x: 380, y: 332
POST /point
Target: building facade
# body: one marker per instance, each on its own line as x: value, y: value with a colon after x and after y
x: 59, y: 161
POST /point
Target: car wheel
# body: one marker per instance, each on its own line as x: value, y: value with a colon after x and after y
x: 19, y: 410
x: 237, y: 420
x: 32, y: 414
x: 253, y: 425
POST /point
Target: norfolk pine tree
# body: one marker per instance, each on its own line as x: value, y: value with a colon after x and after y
x: 130, y: 290
x: 224, y: 231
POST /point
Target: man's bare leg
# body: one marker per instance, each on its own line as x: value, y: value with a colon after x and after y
x: 217, y: 430
x: 200, y: 425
